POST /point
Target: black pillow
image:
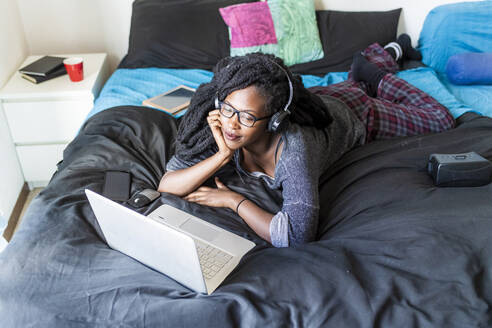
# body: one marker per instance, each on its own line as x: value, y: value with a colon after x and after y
x: 177, y: 34
x: 343, y: 33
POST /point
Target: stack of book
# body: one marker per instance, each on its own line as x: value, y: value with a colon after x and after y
x: 43, y: 69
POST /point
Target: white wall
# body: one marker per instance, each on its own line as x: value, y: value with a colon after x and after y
x: 64, y: 26
x: 412, y: 16
x: 77, y: 26
x: 12, y: 42
x: 13, y: 52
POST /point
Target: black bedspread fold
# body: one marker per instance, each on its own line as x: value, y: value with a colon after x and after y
x: 393, y: 249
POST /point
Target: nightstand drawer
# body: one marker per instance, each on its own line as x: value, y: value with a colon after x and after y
x: 39, y: 162
x: 46, y: 121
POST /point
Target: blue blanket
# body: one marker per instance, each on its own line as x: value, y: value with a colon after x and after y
x: 132, y: 86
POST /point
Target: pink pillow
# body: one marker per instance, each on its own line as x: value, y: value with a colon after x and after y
x: 251, y: 24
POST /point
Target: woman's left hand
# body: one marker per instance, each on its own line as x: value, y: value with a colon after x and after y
x: 215, y: 197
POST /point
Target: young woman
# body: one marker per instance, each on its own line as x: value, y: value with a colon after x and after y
x: 233, y: 121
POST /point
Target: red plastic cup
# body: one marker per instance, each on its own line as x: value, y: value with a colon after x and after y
x: 75, y: 68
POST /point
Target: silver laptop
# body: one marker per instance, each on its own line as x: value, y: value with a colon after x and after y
x: 195, y: 253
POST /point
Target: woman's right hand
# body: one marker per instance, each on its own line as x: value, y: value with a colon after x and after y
x: 215, y: 125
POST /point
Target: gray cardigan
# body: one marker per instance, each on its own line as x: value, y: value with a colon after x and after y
x: 306, y: 154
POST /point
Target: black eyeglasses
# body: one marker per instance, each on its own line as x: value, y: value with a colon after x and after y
x: 245, y: 118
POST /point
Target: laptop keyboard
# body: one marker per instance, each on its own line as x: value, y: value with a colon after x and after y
x: 211, y: 259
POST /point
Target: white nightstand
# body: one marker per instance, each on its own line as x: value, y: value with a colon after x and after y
x: 43, y: 118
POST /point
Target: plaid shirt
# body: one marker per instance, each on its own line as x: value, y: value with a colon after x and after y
x: 399, y: 109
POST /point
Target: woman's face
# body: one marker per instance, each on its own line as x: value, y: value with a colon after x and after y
x: 247, y: 100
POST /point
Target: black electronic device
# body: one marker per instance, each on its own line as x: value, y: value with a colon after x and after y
x: 459, y: 170
x: 143, y: 198
x: 117, y: 185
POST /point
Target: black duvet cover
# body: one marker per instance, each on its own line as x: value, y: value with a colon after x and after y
x: 394, y: 250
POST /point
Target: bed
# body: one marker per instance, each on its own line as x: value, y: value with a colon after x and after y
x: 392, y: 249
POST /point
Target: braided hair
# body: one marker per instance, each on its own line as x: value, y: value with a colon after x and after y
x: 235, y: 73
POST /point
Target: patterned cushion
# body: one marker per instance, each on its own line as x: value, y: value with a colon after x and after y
x: 251, y: 24
x: 285, y: 28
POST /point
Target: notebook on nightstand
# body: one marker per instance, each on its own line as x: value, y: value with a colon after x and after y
x: 43, y: 66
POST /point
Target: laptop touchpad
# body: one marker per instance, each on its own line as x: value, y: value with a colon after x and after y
x: 200, y: 230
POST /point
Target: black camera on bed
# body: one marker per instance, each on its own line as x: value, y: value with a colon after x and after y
x: 459, y: 170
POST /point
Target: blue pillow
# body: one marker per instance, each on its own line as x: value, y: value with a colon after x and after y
x: 454, y: 29
x: 470, y: 68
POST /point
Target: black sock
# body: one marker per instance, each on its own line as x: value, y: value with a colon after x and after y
x: 391, y: 51
x: 363, y: 70
x: 409, y: 52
